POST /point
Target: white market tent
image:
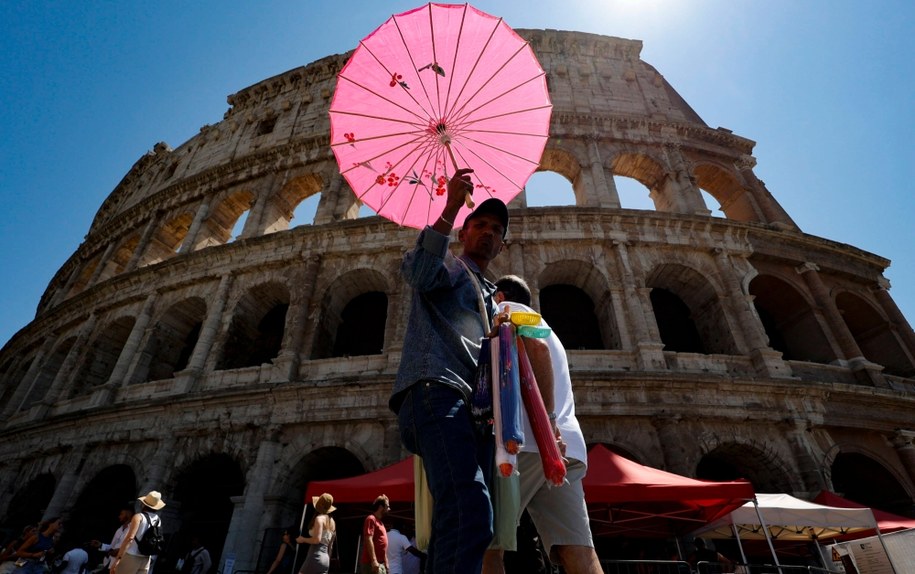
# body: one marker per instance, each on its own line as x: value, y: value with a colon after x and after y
x: 783, y: 517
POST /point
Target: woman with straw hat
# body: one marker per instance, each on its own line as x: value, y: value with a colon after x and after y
x: 321, y: 532
x: 129, y: 559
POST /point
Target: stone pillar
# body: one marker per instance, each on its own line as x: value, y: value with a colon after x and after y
x: 897, y: 319
x: 604, y: 187
x: 143, y: 244
x: 120, y: 375
x: 102, y: 262
x: 190, y: 240
x: 64, y: 375
x: 62, y: 492
x: 766, y: 360
x: 249, y: 508
x: 332, y: 205
x: 807, y: 456
x: 25, y: 385
x: 254, y: 224
x: 158, y: 467
x: 189, y: 377
x: 671, y: 438
x: 290, y: 358
x: 865, y: 371
x: 771, y: 210
x: 904, y: 443
x: 682, y: 183
x: 648, y: 344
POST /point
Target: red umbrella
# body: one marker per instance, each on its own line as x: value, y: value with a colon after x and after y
x: 438, y: 86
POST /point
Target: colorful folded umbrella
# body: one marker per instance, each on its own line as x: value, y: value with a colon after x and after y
x: 509, y: 390
x: 553, y: 467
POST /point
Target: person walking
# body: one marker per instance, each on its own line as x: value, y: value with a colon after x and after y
x: 129, y: 559
x: 321, y: 533
x: 373, y: 559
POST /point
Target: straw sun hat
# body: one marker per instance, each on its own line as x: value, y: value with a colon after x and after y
x: 324, y: 504
x: 153, y: 500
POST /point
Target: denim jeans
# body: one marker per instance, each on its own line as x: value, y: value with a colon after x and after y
x: 435, y: 423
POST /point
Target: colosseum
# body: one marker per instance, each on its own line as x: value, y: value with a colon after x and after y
x: 210, y: 341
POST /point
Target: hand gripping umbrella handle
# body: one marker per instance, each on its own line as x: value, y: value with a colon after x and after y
x: 468, y: 199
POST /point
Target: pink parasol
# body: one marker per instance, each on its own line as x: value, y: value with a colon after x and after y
x: 440, y: 86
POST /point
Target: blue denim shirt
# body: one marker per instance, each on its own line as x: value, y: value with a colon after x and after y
x: 442, y: 342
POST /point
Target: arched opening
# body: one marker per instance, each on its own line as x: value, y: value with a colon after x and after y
x: 102, y: 355
x: 789, y: 321
x: 361, y: 330
x: 734, y: 200
x: 358, y: 292
x: 121, y: 257
x: 688, y: 312
x: 85, y: 275
x: 548, y: 188
x: 731, y: 461
x: 204, y: 492
x: 711, y: 203
x: 166, y: 241
x: 219, y: 227
x: 14, y: 379
x: 48, y: 372
x: 95, y: 514
x: 295, y: 204
x: 570, y: 313
x: 28, y: 504
x: 675, y: 323
x: 169, y: 347
x: 874, y: 336
x: 257, y: 329
x: 860, y: 478
x: 633, y: 194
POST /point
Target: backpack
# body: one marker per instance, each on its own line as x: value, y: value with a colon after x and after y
x: 152, y: 543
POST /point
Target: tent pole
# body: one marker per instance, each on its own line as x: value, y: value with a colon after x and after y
x: 882, y: 543
x: 295, y: 557
x: 739, y: 544
x: 765, y: 529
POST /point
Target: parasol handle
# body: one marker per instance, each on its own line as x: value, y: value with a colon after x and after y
x: 468, y: 199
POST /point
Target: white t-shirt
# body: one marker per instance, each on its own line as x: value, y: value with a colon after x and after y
x: 75, y: 560
x: 564, y: 400
x: 411, y: 562
x: 141, y: 530
x: 397, y: 547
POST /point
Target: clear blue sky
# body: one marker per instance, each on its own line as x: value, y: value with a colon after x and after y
x: 825, y: 88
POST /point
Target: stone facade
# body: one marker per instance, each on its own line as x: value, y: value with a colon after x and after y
x: 227, y: 372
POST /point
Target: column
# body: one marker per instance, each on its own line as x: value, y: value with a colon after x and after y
x: 649, y: 349
x: 290, y: 358
x: 66, y: 369
x: 897, y: 319
x: 604, y: 187
x: 766, y: 360
x: 671, y: 439
x: 190, y: 240
x: 866, y: 372
x: 249, y: 508
x: 190, y: 376
x: 682, y: 184
x: 254, y: 225
x: 119, y: 375
x: 62, y: 493
x: 771, y: 210
x: 143, y: 244
x: 25, y: 385
x: 331, y: 206
x: 904, y: 443
x: 102, y: 262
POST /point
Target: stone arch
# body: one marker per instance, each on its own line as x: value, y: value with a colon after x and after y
x: 282, y: 210
x: 14, y: 377
x: 860, y: 477
x: 84, y: 275
x: 688, y: 311
x: 735, y: 200
x: 120, y: 257
x: 28, y: 504
x: 873, y: 334
x: 733, y: 461
x: 789, y: 320
x: 343, y: 298
x: 94, y: 516
x: 203, y: 492
x: 102, y: 354
x: 647, y: 170
x: 49, y: 369
x: 258, y: 324
x: 166, y: 240
x: 574, y: 299
x: 224, y: 213
x: 171, y: 341
x: 558, y: 160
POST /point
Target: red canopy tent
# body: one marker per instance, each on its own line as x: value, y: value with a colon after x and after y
x: 625, y: 497
x: 396, y: 481
x: 886, y: 521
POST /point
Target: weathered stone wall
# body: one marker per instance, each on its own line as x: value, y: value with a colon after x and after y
x: 159, y: 283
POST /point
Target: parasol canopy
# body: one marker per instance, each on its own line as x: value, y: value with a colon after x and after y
x: 433, y: 88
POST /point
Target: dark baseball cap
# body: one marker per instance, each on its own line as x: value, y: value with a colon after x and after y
x: 491, y: 206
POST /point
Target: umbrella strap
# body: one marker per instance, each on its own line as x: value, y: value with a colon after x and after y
x: 484, y: 316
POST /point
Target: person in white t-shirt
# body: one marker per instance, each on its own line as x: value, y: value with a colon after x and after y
x: 74, y: 561
x: 111, y: 550
x: 399, y: 547
x: 558, y: 512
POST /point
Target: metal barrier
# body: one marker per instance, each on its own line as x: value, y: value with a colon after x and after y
x: 644, y: 567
